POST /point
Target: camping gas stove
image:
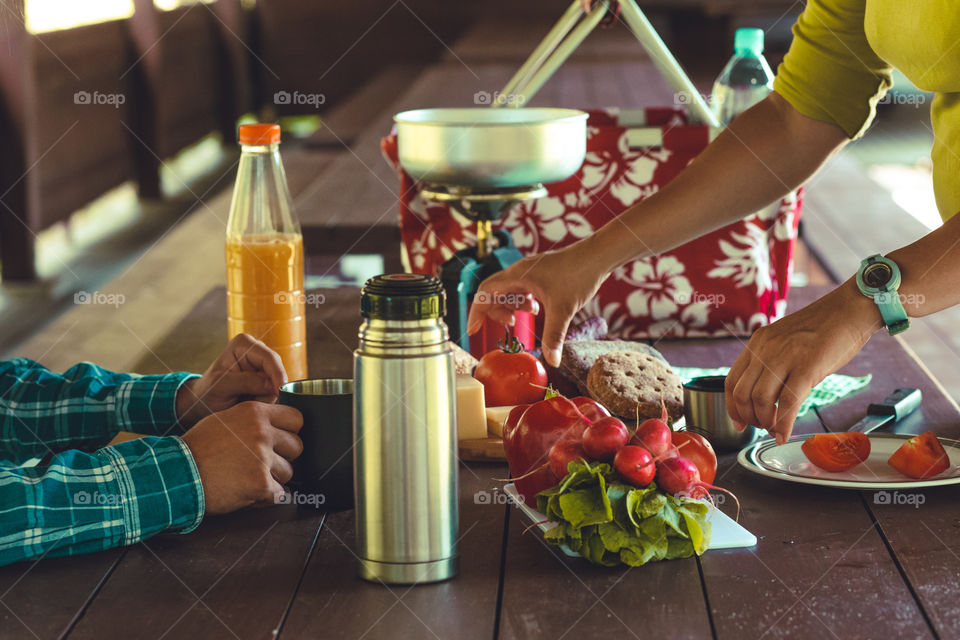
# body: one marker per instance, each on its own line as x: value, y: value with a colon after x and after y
x: 494, y: 251
x: 481, y: 161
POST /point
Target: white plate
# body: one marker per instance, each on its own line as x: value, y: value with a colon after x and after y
x: 787, y: 462
x: 726, y: 532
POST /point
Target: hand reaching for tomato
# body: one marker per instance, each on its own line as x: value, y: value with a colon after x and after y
x: 562, y: 281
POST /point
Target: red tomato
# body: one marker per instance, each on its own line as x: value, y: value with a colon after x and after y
x: 920, y: 457
x: 510, y: 375
x: 698, y: 450
x: 837, y: 451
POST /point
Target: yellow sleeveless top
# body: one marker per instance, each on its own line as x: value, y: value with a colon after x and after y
x: 838, y: 68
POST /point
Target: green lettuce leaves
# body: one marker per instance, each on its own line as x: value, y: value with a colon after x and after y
x: 609, y: 522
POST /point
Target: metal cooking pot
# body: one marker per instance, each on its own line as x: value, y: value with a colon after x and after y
x: 483, y: 148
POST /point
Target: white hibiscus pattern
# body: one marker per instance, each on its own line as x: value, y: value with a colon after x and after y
x: 427, y: 242
x: 627, y: 174
x: 658, y: 283
x: 747, y: 262
x: 547, y: 221
x: 781, y: 214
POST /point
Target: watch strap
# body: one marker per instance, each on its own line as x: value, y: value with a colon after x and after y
x: 892, y: 312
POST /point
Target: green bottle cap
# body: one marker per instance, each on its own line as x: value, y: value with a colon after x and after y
x: 402, y: 296
x: 748, y: 42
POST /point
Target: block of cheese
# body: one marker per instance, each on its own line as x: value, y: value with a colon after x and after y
x: 471, y: 417
x: 496, y: 417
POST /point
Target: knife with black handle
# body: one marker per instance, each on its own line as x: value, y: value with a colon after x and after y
x: 895, y: 407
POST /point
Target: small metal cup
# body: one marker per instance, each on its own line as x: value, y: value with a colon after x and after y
x: 325, y: 468
x: 705, y: 412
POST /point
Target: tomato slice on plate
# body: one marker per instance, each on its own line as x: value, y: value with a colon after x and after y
x: 837, y: 451
x: 920, y: 457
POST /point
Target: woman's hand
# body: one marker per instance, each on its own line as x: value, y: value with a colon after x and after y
x: 563, y: 281
x: 782, y: 362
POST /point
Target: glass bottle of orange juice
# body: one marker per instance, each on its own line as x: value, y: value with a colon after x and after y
x: 265, y: 295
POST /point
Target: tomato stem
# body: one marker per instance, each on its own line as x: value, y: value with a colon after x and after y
x: 510, y: 344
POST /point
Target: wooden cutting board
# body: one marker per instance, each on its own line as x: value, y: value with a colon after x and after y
x: 483, y: 450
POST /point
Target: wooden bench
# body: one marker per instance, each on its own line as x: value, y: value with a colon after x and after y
x: 160, y: 286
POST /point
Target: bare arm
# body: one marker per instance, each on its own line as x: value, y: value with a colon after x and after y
x: 764, y: 154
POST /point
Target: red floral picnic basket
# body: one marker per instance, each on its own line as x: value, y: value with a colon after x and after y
x: 728, y: 282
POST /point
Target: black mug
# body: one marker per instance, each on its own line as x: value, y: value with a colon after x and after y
x: 323, y: 473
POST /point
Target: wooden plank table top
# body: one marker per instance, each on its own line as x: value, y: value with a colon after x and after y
x: 829, y: 562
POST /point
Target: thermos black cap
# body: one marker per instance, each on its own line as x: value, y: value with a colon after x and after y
x: 402, y: 296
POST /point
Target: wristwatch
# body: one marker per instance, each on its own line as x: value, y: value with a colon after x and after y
x: 879, y: 278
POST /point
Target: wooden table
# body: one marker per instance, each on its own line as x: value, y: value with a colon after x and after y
x: 829, y: 563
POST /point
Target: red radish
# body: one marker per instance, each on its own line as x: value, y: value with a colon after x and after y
x: 563, y: 453
x: 654, y: 434
x: 635, y: 465
x: 590, y: 408
x: 679, y: 477
x: 603, y: 438
x: 671, y: 452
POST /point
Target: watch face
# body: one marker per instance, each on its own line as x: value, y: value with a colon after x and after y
x: 877, y: 275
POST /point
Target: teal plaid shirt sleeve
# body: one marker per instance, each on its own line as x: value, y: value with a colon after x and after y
x: 81, y: 502
x: 78, y: 501
x: 42, y: 411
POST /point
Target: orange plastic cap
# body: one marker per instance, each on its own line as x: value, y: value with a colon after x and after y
x: 259, y: 134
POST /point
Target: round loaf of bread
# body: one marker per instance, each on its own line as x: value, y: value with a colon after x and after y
x: 626, y: 382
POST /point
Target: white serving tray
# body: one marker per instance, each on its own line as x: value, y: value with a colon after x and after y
x: 727, y: 533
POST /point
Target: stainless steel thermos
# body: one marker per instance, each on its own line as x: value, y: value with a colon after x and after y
x: 404, y: 427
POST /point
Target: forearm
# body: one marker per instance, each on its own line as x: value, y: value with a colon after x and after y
x: 765, y: 153
x: 929, y: 270
x: 42, y: 411
x: 82, y: 502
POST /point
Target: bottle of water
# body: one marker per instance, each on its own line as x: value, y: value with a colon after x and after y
x: 745, y: 81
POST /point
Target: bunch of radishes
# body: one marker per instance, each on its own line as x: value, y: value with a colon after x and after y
x: 640, y: 459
